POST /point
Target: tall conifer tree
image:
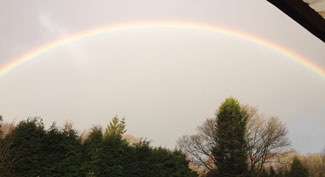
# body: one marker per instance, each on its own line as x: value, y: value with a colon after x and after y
x: 230, y: 154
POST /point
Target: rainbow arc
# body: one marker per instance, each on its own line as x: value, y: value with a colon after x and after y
x: 155, y: 25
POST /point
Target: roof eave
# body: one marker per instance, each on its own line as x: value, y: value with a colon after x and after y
x: 304, y: 15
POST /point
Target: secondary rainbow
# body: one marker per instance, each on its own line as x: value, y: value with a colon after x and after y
x: 156, y: 25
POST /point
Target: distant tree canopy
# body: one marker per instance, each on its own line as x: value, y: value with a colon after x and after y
x: 60, y: 152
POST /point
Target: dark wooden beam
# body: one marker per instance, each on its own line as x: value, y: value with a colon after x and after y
x: 304, y: 15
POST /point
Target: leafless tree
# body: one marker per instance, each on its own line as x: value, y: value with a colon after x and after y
x: 265, y: 137
x: 316, y: 164
x: 198, y: 146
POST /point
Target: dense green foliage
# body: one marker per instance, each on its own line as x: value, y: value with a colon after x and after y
x: 55, y: 152
x: 44, y: 153
x: 230, y: 154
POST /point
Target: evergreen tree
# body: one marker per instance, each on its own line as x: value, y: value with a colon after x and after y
x: 298, y: 169
x: 63, y: 149
x: 115, y: 151
x: 116, y: 127
x: 93, y: 153
x: 230, y: 154
x: 158, y: 162
x: 114, y: 148
x: 28, y: 142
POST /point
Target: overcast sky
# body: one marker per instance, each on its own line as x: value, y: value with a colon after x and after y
x: 165, y: 82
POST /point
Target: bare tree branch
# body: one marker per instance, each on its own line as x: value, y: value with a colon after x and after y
x: 265, y: 138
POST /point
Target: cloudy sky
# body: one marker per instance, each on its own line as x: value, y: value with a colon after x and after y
x: 164, y: 81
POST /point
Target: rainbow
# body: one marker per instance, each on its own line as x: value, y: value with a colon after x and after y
x: 155, y: 25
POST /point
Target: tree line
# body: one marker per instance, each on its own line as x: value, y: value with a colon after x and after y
x: 237, y: 142
x: 31, y: 150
